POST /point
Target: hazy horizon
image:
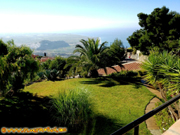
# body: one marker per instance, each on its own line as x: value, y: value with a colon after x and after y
x: 96, y: 18
x: 107, y: 34
x: 51, y: 16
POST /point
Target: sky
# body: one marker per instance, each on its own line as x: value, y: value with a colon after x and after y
x: 37, y: 16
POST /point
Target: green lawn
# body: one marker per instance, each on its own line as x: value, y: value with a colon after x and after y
x: 115, y: 102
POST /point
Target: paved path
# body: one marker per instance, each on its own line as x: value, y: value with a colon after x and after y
x: 151, y: 123
x: 174, y: 129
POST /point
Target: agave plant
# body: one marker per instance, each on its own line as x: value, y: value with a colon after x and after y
x: 51, y: 74
x: 54, y: 74
x: 163, y: 69
x: 41, y: 75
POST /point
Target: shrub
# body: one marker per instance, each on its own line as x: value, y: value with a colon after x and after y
x: 49, y: 74
x: 72, y: 108
x: 163, y: 119
x: 54, y: 74
x: 140, y: 54
x: 36, y: 78
x: 41, y: 75
x: 141, y: 73
x: 131, y: 74
x: 124, y: 73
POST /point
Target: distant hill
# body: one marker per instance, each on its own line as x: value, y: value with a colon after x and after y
x: 46, y: 45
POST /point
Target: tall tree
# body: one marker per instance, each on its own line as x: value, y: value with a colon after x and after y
x: 160, y: 28
x: 117, y: 52
x: 91, y: 53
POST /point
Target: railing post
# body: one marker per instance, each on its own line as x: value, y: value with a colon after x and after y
x: 136, y: 130
x: 135, y: 124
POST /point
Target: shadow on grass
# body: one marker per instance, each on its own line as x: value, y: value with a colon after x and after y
x: 101, y: 125
x: 95, y: 80
x: 105, y: 126
x: 113, y: 81
x: 25, y: 110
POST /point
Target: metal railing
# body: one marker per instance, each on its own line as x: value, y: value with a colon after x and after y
x: 135, y: 124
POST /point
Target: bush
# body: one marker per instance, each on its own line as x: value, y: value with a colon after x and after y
x: 131, y: 74
x: 41, y: 75
x: 49, y: 74
x: 141, y: 73
x: 36, y: 78
x: 126, y: 74
x: 72, y: 108
x: 163, y: 119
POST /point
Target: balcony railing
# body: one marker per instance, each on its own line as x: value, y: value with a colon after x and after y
x: 135, y: 124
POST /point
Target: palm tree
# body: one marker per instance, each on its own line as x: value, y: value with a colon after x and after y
x: 92, y: 55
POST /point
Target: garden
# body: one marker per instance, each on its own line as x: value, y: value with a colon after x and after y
x: 83, y: 105
x: 40, y: 94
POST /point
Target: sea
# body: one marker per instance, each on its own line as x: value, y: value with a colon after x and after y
x: 109, y: 34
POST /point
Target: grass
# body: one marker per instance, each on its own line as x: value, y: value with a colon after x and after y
x: 72, y: 109
x: 115, y: 102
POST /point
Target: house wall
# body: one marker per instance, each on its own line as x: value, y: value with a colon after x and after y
x: 142, y: 58
x: 137, y: 56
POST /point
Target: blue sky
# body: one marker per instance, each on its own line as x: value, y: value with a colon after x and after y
x: 19, y: 16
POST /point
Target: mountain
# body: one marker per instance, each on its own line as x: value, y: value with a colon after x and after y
x: 46, y: 45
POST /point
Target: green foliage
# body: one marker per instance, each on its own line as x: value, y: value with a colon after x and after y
x: 140, y: 54
x: 116, y: 53
x: 36, y: 78
x: 47, y: 74
x: 129, y: 49
x: 141, y: 73
x: 59, y: 63
x: 163, y: 70
x: 94, y: 55
x: 160, y: 28
x: 134, y: 51
x: 74, y: 66
x: 91, y: 55
x: 72, y: 108
x: 45, y: 65
x: 54, y: 74
x: 163, y: 119
x: 41, y: 75
x: 50, y: 74
x: 110, y: 103
x: 16, y: 65
x: 39, y: 57
x: 3, y: 48
x: 125, y: 74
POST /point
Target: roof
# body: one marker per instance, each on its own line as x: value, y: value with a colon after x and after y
x: 34, y: 56
x: 43, y: 59
x: 127, y: 66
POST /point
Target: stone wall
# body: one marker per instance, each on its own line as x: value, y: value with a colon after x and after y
x: 142, y: 58
x: 138, y: 56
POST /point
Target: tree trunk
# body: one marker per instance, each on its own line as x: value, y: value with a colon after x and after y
x: 94, y: 73
x: 171, y: 110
